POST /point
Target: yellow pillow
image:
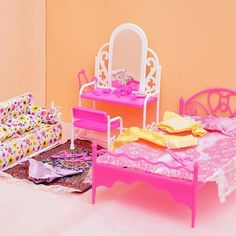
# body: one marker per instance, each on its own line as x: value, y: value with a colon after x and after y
x: 173, y: 123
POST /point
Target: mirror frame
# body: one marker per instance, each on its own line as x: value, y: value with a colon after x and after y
x: 144, y: 43
x: 150, y: 67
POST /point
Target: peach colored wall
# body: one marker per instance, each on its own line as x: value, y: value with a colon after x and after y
x: 195, y: 41
x: 22, y: 48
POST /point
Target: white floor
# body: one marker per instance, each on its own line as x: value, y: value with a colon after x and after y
x: 136, y: 210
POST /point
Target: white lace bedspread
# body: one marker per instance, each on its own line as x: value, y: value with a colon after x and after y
x: 215, y: 154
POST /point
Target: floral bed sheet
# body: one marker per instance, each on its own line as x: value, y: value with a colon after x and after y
x: 215, y: 154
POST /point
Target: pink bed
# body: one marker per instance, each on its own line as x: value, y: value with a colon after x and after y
x: 179, y: 172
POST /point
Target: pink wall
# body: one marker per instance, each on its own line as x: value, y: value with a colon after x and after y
x: 195, y: 41
x: 22, y: 48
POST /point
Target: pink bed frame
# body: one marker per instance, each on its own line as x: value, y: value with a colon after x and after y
x: 213, y: 102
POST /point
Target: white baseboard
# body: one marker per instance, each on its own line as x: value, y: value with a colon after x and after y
x: 66, y: 131
x: 100, y: 138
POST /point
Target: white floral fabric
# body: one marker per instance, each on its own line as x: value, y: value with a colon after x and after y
x: 24, y: 122
x: 48, y: 116
x: 6, y: 131
x: 22, y: 134
x: 21, y: 146
x: 15, y: 106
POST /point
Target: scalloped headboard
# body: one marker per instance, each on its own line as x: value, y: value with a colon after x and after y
x: 214, y: 102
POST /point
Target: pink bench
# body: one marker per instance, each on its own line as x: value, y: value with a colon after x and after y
x: 94, y: 120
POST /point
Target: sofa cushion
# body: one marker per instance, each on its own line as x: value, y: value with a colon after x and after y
x: 6, y: 131
x: 15, y: 106
x: 21, y: 146
x: 24, y: 122
x: 48, y: 116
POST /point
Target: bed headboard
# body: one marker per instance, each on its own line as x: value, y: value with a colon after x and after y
x: 212, y: 102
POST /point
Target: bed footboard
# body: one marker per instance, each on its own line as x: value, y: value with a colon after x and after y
x: 183, y: 190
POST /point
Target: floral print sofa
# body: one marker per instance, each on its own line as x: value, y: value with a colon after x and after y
x: 26, y: 130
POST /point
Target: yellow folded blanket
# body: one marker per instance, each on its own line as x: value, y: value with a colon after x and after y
x: 173, y: 123
x: 171, y: 141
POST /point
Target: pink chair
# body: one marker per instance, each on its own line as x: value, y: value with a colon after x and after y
x: 95, y: 120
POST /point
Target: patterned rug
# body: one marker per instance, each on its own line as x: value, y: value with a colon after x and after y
x: 76, y: 183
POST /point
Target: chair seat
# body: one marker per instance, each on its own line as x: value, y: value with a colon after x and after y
x: 95, y: 126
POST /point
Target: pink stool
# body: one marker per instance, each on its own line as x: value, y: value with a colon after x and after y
x: 94, y: 120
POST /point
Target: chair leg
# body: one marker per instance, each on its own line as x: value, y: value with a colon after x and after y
x: 108, y: 140
x: 72, y: 145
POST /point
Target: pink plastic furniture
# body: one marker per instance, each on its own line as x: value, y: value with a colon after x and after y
x: 94, y: 120
x: 146, y: 71
x: 183, y: 191
x: 213, y: 102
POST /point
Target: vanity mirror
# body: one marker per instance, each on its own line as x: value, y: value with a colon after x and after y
x: 127, y: 72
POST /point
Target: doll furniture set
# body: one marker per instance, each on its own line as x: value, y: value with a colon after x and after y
x: 26, y: 130
x: 127, y: 72
x: 180, y: 172
x: 94, y: 120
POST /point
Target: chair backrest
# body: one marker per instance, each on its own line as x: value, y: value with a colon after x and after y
x: 213, y: 102
x: 89, y: 114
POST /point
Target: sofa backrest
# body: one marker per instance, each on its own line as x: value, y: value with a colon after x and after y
x: 15, y: 106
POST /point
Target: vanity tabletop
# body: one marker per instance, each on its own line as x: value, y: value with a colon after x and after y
x: 112, y: 96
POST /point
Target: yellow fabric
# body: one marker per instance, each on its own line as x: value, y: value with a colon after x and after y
x: 169, y: 115
x: 173, y: 123
x: 171, y: 141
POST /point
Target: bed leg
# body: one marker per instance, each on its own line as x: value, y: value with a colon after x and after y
x: 194, y: 194
x: 193, y: 209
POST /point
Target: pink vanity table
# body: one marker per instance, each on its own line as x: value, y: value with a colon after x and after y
x: 127, y: 50
x: 105, y: 95
x: 133, y: 100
